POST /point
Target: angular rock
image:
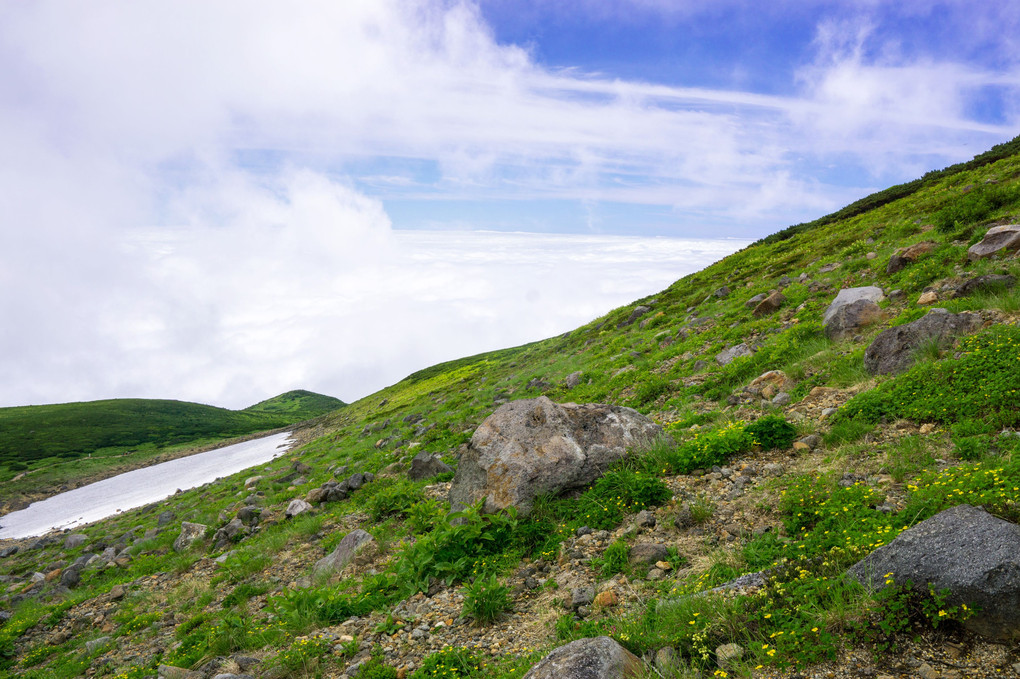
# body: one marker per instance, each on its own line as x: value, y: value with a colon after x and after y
x: 988, y: 283
x: 8, y: 551
x: 928, y: 298
x: 189, y: 533
x: 225, y: 535
x: 426, y: 465
x: 769, y: 305
x: 596, y: 658
x: 573, y: 379
x: 756, y: 300
x: 997, y: 239
x: 637, y: 313
x: 296, y: 506
x: 75, y: 540
x: 581, y: 596
x: 849, y: 318
x: 966, y: 550
x: 847, y: 296
x: 647, y: 553
x: 353, y: 543
x: 70, y: 578
x: 726, y: 356
x: 535, y: 447
x: 893, y: 350
x: 909, y: 255
x: 171, y: 672
x: 776, y: 379
x: 164, y: 518
x: 722, y: 292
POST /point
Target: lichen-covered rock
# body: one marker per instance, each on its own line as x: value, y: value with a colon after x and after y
x: 965, y: 550
x: 852, y: 308
x: 189, y: 533
x: 893, y: 350
x: 597, y: 658
x: 535, y: 447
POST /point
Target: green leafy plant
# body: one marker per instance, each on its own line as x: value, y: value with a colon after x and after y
x: 614, y: 560
x: 486, y: 600
x: 772, y: 432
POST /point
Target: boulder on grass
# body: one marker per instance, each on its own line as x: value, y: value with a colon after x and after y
x: 997, y: 239
x: 597, y: 658
x: 965, y: 550
x: 353, y: 544
x: 426, y: 465
x: 987, y: 283
x: 189, y: 533
x: 727, y: 356
x: 893, y: 350
x: 769, y: 305
x: 536, y: 447
x: 853, y: 308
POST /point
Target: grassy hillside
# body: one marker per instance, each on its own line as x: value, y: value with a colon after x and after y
x: 71, y: 430
x: 298, y: 404
x: 731, y: 493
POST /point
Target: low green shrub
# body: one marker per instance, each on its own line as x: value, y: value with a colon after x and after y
x: 979, y: 385
x: 707, y: 448
x: 614, y: 560
x: 772, y: 432
x: 486, y: 600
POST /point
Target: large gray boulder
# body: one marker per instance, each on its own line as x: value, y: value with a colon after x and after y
x: 350, y: 547
x: 598, y: 658
x: 997, y: 239
x: 965, y: 550
x: 893, y: 350
x: 426, y: 465
x: 535, y: 447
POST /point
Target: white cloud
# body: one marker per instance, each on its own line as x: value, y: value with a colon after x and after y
x: 180, y: 221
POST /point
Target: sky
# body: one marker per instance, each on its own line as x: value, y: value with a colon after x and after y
x: 222, y: 201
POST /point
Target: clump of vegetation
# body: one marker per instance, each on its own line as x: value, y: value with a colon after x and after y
x: 486, y: 600
x: 979, y: 385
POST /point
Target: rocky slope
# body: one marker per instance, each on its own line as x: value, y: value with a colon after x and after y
x: 819, y: 394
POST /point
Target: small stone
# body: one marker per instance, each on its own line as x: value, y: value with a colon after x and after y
x: 606, y: 599
x: 645, y: 519
x: 656, y: 574
x: 781, y: 399
x: 727, y: 655
x: 582, y: 596
x: 800, y: 446
x: 297, y: 506
x: 927, y: 298
x: 666, y: 660
x: 94, y: 645
x: 926, y: 671
x: 664, y: 565
x: 927, y: 428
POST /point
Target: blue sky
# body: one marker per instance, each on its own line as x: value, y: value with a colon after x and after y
x: 223, y: 201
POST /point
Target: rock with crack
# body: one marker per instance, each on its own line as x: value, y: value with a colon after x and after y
x: 597, y: 658
x: 893, y: 350
x: 965, y: 550
x: 537, y: 447
x: 852, y: 309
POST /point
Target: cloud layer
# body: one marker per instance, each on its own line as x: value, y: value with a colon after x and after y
x: 195, y: 194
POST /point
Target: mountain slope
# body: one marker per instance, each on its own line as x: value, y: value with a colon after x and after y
x: 70, y: 430
x: 429, y: 598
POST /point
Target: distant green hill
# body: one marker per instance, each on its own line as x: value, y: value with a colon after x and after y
x: 299, y: 403
x: 71, y: 430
